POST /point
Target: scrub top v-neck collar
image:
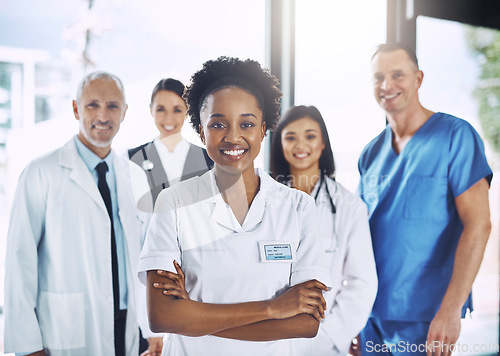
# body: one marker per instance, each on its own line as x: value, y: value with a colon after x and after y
x: 222, y: 213
x: 413, y: 140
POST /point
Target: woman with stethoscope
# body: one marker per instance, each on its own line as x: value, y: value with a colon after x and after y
x: 169, y: 158
x: 252, y: 273
x: 166, y: 160
x: 301, y: 157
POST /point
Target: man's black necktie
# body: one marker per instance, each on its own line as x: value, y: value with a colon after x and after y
x: 101, y: 169
x: 120, y: 323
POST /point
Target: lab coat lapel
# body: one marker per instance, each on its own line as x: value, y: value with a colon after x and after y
x: 127, y: 214
x: 220, y: 211
x: 256, y: 212
x: 132, y: 240
x: 223, y: 215
x: 69, y: 158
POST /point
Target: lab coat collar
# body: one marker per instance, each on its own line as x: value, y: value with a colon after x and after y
x: 221, y: 211
x: 90, y: 159
x: 69, y: 158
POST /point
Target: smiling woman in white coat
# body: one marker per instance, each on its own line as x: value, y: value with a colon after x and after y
x: 301, y: 157
x: 61, y: 262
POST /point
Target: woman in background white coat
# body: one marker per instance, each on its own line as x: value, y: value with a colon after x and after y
x: 302, y: 158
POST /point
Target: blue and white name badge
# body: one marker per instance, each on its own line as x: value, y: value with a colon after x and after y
x: 276, y: 251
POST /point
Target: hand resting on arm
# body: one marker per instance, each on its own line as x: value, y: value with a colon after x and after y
x: 295, y: 313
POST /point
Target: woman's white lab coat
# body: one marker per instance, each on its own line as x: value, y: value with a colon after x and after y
x: 58, y: 287
x: 347, y: 243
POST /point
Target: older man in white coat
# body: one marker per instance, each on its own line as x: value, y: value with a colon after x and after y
x: 74, y: 240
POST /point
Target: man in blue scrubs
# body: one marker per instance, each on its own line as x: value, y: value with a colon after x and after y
x: 425, y: 180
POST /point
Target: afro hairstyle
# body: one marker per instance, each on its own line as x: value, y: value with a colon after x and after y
x: 227, y: 72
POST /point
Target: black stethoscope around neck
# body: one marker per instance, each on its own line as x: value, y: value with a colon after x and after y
x: 334, y: 240
x: 333, y: 243
x: 321, y: 181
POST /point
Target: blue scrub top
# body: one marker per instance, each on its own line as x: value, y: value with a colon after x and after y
x: 414, y: 222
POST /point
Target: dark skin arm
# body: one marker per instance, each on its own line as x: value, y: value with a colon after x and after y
x: 299, y: 326
x: 295, y: 313
x: 174, y: 285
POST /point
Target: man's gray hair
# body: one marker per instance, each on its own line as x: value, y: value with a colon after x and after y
x: 98, y: 75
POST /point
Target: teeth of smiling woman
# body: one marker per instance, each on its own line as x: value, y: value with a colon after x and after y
x: 301, y: 155
x: 168, y: 128
x: 234, y: 152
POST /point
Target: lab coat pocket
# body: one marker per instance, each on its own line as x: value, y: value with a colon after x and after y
x: 425, y: 199
x: 62, y: 320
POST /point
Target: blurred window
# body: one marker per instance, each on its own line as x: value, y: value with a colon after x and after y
x: 461, y: 69
x: 52, y: 89
x: 335, y: 40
